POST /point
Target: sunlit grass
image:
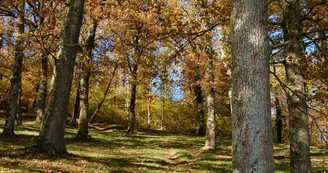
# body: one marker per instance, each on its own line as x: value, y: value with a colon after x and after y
x: 113, y: 151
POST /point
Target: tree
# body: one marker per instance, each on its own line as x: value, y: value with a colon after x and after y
x: 16, y: 79
x: 299, y: 131
x: 84, y: 83
x: 252, y: 146
x: 210, y: 142
x: 51, y: 137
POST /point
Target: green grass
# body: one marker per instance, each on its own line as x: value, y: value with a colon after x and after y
x: 113, y: 151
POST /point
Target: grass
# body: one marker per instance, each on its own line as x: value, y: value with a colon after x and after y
x: 113, y: 151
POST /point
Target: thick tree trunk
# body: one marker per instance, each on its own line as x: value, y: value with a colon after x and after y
x: 131, y: 114
x: 15, y: 82
x: 84, y: 84
x: 278, y: 120
x: 51, y: 138
x: 252, y: 145
x: 42, y: 92
x: 210, y: 142
x: 297, y: 109
x: 200, y: 113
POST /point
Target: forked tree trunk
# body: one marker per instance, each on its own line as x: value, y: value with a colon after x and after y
x: 51, y: 138
x: 252, y: 145
x: 210, y: 142
x: 82, y: 132
x: 297, y: 109
x: 15, y: 82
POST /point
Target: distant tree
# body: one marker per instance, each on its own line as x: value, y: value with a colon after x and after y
x: 51, y: 138
x: 252, y: 146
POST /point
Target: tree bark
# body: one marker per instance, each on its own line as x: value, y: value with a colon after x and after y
x: 210, y: 142
x: 252, y: 145
x: 84, y: 84
x: 131, y: 114
x: 51, y: 137
x: 15, y: 82
x: 298, y: 119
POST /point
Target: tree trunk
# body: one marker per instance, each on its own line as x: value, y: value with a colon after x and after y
x: 131, y: 114
x: 76, y: 110
x: 210, y: 142
x: 42, y: 93
x: 252, y: 145
x: 297, y: 109
x: 200, y: 113
x: 15, y: 82
x: 19, y: 118
x: 82, y: 132
x: 51, y: 138
x: 84, y: 84
x: 278, y: 120
x: 298, y: 121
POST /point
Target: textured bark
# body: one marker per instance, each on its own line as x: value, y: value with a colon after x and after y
x: 210, y: 142
x: 200, y: 113
x: 84, y: 84
x: 278, y: 120
x: 252, y: 145
x: 131, y: 114
x: 298, y: 119
x: 15, y: 82
x: 51, y: 138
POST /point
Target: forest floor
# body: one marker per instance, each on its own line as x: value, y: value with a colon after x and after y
x: 110, y: 150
